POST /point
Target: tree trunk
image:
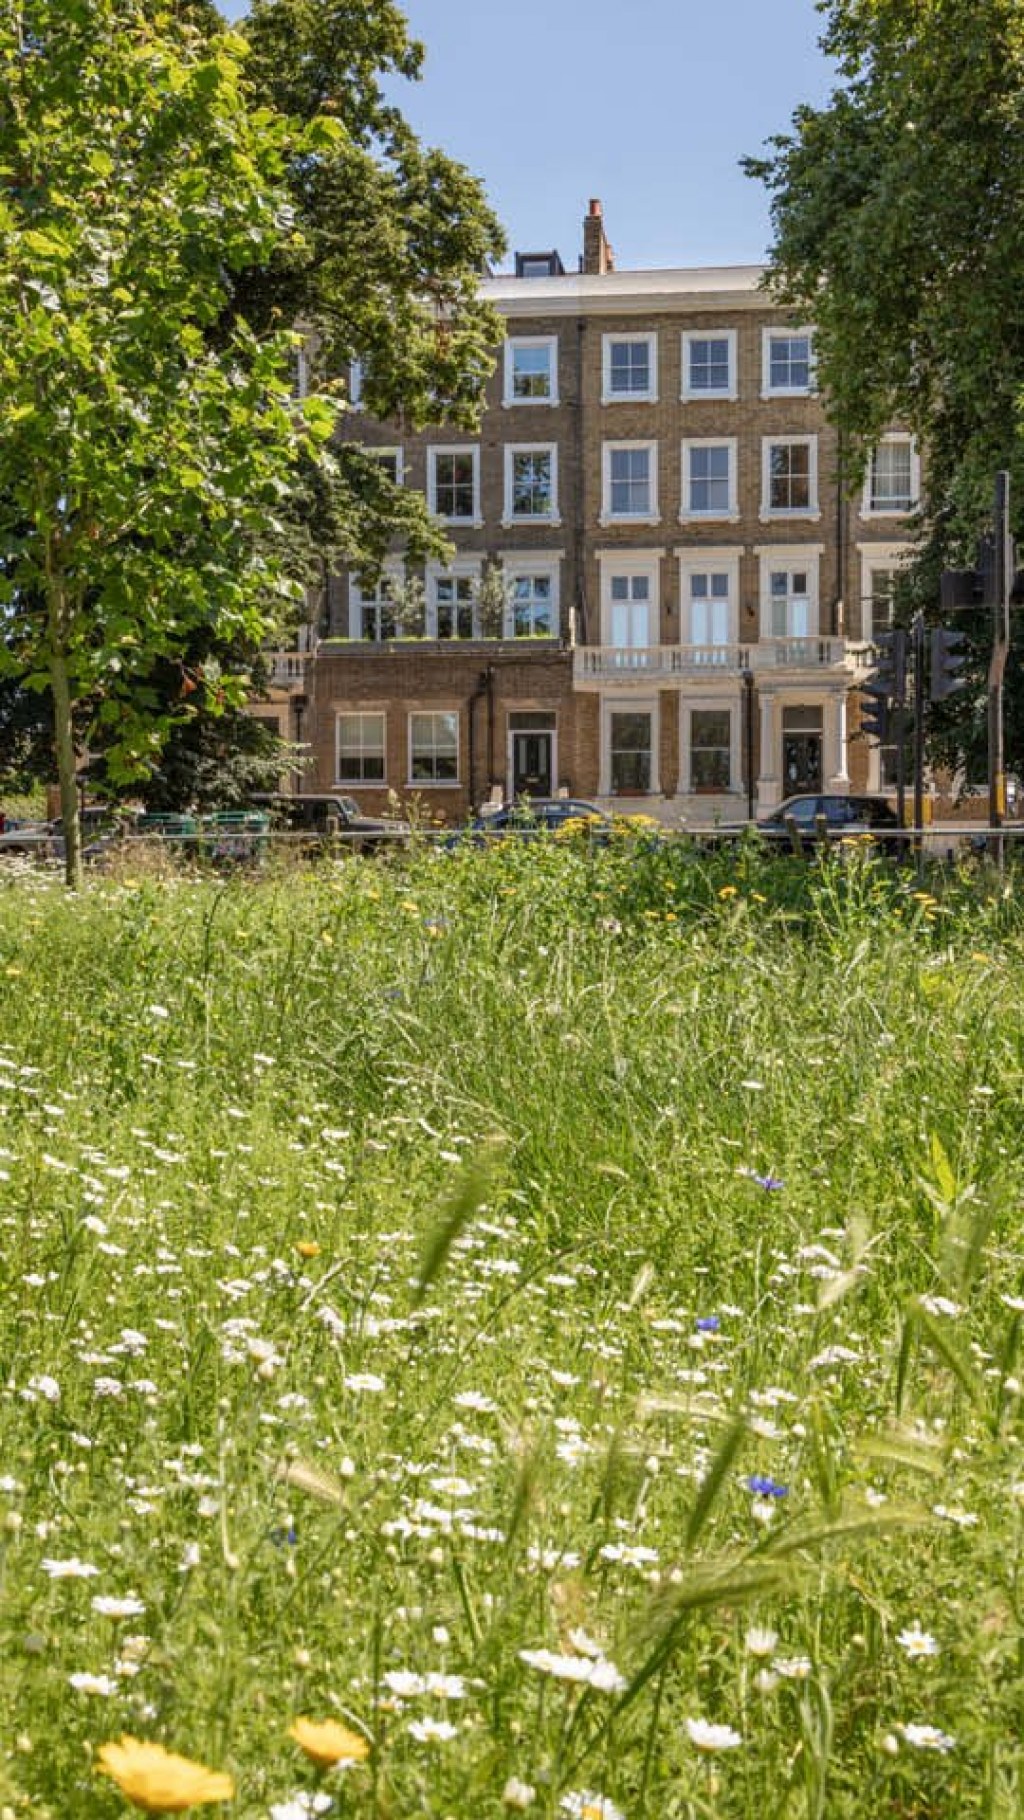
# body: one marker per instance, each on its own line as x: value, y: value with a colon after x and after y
x: 64, y: 744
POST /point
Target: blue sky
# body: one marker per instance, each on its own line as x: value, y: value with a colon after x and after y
x: 648, y: 104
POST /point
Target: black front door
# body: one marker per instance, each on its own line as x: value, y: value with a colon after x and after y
x: 801, y: 762
x: 531, y: 764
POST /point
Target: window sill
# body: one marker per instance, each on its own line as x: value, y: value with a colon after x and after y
x: 872, y: 512
x: 808, y: 515
x: 710, y: 396
x: 794, y: 391
x: 459, y: 524
x: 731, y: 517
x: 629, y: 397
x: 433, y: 783
x: 516, y: 404
x: 513, y: 524
x: 629, y: 518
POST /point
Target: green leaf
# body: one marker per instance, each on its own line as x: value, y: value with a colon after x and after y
x: 714, y: 1479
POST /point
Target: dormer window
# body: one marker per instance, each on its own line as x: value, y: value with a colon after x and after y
x: 539, y: 265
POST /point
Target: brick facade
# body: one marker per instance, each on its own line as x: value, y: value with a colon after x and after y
x: 686, y: 634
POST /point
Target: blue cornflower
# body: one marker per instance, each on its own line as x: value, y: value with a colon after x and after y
x: 708, y: 1323
x: 764, y: 1487
x: 769, y: 1182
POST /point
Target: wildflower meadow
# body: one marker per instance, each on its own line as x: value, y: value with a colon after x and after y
x: 524, y: 1330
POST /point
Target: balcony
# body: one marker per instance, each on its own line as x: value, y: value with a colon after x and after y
x: 287, y: 669
x: 673, y: 663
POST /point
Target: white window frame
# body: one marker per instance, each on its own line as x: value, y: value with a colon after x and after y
x: 389, y: 449
x: 792, y: 556
x: 361, y: 783
x: 513, y: 449
x: 868, y: 510
x: 701, y: 562
x: 532, y: 563
x: 778, y: 333
x: 875, y: 556
x: 434, y: 783
x: 650, y: 393
x: 629, y: 704
x: 530, y: 341
x: 356, y: 376
x: 693, y: 394
x: 607, y: 516
x: 687, y: 513
x: 709, y: 704
x: 463, y: 448
x: 632, y: 563
x: 391, y: 572
x: 458, y: 569
x: 774, y: 514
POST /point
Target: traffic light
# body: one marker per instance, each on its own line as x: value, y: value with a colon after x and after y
x: 979, y: 587
x: 963, y: 588
x: 887, y: 688
x: 875, y: 711
x: 891, y: 667
x: 948, y: 657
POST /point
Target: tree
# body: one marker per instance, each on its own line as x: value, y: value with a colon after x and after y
x: 142, y: 460
x: 898, y: 215
x: 387, y: 244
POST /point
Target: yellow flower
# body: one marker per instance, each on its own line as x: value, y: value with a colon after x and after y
x: 328, y: 1743
x: 728, y: 891
x: 307, y: 1248
x: 158, y: 1781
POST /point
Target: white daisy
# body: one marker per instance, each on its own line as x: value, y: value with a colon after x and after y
x: 708, y: 1737
x: 917, y: 1642
x: 927, y: 1737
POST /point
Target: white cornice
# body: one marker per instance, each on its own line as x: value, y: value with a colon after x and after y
x: 679, y: 291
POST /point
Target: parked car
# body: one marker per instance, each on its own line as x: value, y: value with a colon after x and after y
x: 531, y: 816
x: 322, y: 815
x: 843, y: 816
x: 45, y: 840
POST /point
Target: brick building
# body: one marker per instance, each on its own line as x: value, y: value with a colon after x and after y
x: 689, y: 580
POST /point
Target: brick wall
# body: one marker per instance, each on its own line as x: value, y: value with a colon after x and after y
x: 481, y: 682
x: 409, y: 677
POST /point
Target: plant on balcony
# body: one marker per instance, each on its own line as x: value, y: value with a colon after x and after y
x: 492, y: 600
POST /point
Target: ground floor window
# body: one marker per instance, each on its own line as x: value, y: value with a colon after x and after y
x: 630, y: 750
x: 710, y: 749
x: 360, y: 749
x: 434, y: 748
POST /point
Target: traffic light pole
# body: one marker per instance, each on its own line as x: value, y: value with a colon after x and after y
x: 920, y: 697
x: 900, y: 724
x: 1004, y: 575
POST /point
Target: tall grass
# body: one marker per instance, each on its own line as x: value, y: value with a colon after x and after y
x: 412, y: 1265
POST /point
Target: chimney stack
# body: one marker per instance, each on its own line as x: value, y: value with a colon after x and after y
x: 597, y: 254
